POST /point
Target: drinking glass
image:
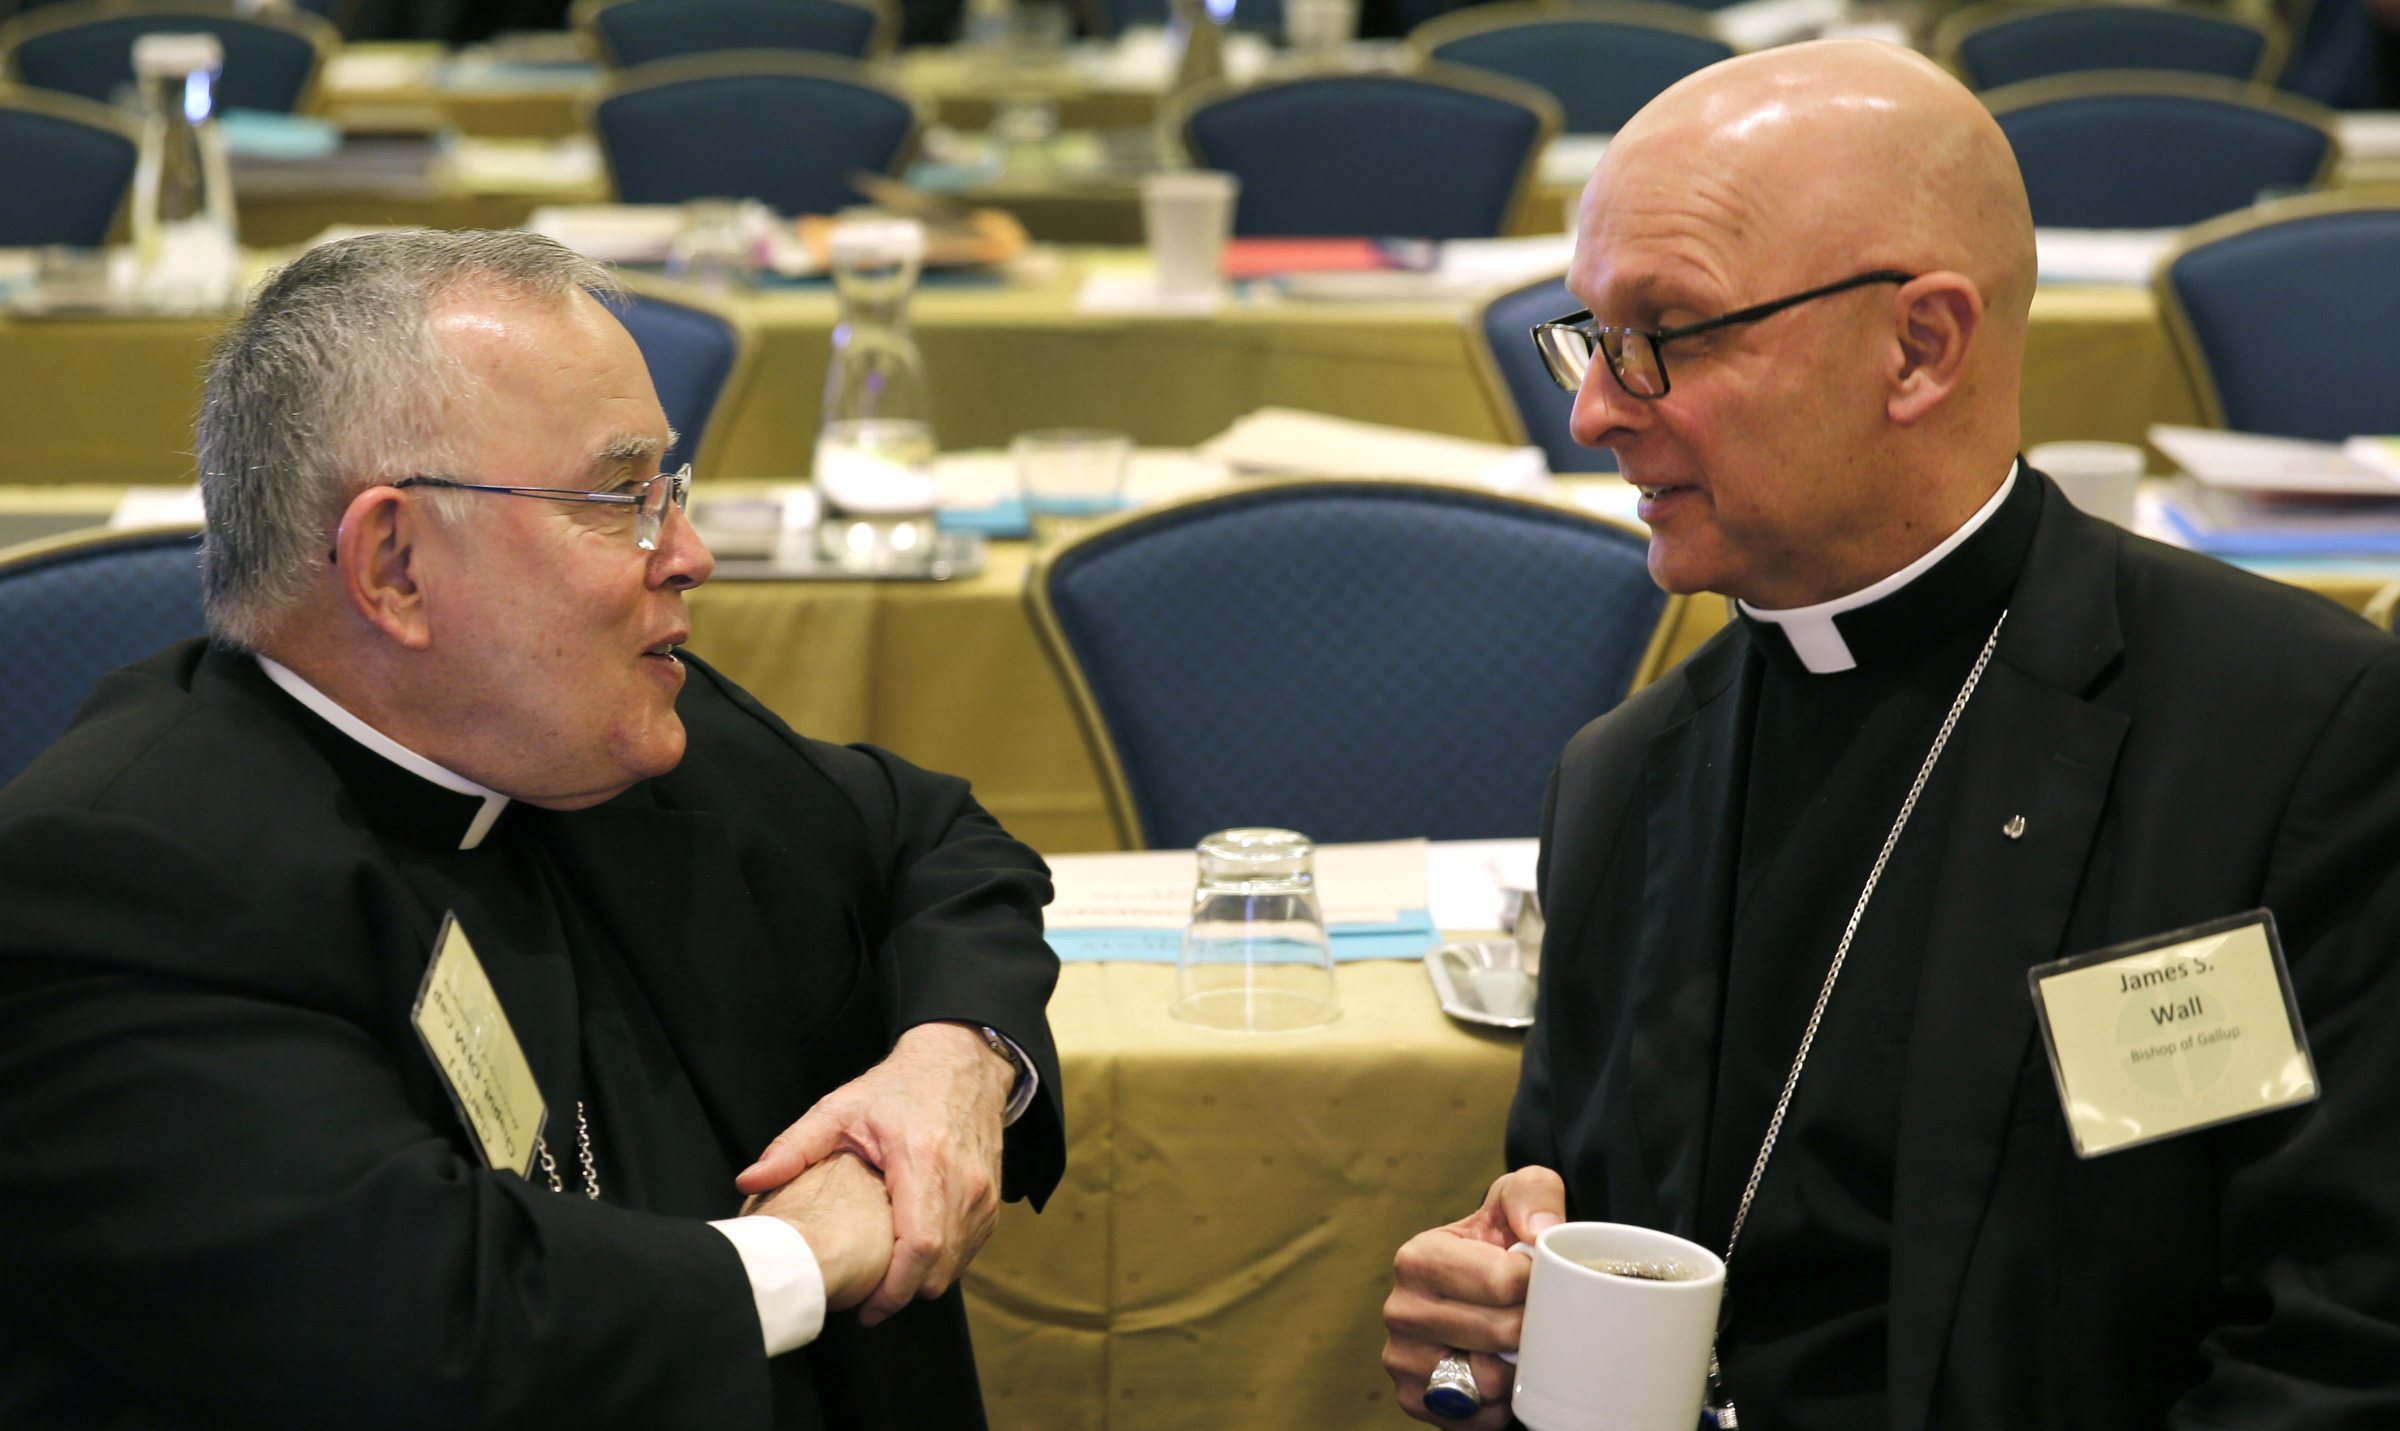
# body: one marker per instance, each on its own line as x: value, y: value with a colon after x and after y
x: 1069, y: 477
x: 1255, y: 957
x: 713, y: 248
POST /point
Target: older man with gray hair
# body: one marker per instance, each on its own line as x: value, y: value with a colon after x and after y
x: 398, y: 989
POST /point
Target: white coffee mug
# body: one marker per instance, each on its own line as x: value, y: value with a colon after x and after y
x: 2099, y: 477
x: 1603, y: 1352
x: 1187, y: 215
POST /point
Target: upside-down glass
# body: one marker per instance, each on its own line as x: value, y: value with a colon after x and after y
x: 1069, y: 477
x: 649, y: 501
x: 1255, y: 957
x: 1567, y: 344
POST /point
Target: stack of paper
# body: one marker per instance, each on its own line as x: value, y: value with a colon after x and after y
x: 2114, y: 256
x: 1135, y: 906
x: 2247, y: 495
x: 1285, y: 442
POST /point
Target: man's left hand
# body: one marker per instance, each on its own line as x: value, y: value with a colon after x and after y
x: 928, y: 1117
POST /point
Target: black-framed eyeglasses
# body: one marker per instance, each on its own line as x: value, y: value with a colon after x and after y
x: 649, y: 501
x: 1567, y: 344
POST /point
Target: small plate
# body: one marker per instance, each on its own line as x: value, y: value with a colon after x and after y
x: 1463, y: 974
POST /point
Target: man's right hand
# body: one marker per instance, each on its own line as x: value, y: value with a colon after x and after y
x: 840, y: 1207
x: 1459, y: 1286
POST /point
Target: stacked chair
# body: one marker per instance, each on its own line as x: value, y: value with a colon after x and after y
x: 785, y: 127
x: 1441, y: 153
x: 2288, y: 318
x: 1600, y: 60
x: 2131, y: 149
x: 1355, y: 660
x: 641, y: 32
x: 85, y: 48
x: 1991, y: 45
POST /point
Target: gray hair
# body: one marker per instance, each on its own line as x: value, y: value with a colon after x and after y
x: 335, y: 380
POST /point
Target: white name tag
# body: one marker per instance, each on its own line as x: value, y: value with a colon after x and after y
x: 2175, y: 1032
x: 459, y: 1018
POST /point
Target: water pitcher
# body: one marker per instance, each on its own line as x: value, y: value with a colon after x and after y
x: 875, y: 446
x: 185, y: 254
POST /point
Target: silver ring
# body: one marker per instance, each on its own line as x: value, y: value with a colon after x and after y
x: 1450, y: 1392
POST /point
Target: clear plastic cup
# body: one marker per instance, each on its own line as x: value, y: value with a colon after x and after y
x: 1187, y: 215
x: 1069, y: 477
x: 2099, y: 477
x: 1255, y: 957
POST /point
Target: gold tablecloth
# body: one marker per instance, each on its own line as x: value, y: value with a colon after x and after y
x: 111, y: 400
x: 1219, y: 1252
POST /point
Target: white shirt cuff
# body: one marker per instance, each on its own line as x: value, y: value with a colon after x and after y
x: 785, y: 1280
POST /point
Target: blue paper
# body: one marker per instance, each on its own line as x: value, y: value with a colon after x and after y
x: 1004, y: 518
x: 2265, y: 542
x: 1407, y: 937
x: 264, y: 134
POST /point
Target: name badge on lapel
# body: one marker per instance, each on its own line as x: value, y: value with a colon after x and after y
x: 2178, y: 1031
x: 459, y: 1019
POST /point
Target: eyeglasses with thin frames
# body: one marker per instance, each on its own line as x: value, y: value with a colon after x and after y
x: 649, y: 502
x: 1567, y: 344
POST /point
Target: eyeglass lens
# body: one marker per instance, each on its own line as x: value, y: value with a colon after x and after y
x: 650, y: 516
x: 1631, y: 355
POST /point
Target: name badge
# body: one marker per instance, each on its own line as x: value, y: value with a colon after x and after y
x: 459, y: 1019
x: 2174, y: 1032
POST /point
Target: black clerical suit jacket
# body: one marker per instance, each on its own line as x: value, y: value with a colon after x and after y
x: 2183, y: 741
x: 233, y: 1191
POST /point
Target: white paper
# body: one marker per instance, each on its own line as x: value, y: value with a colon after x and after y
x: 1756, y: 24
x: 1124, y: 293
x: 2117, y: 256
x: 2258, y: 463
x: 157, y: 507
x: 1571, y: 158
x: 1464, y: 879
x: 2369, y: 134
x: 1282, y: 441
x: 612, y: 233
x: 2379, y: 455
x: 1152, y: 889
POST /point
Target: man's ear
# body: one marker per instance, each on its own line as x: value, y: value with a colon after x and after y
x: 1937, y: 316
x: 378, y: 562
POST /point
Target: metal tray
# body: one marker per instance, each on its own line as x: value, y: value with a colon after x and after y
x: 1453, y: 969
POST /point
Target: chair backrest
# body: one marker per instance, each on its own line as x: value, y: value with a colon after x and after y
x: 69, y: 164
x: 693, y: 353
x: 640, y: 32
x: 2134, y: 149
x: 1442, y: 153
x: 1990, y: 45
x: 785, y: 127
x: 1353, y: 660
x: 2288, y: 317
x: 85, y: 48
x: 1600, y: 61
x: 73, y: 609
x: 1530, y: 406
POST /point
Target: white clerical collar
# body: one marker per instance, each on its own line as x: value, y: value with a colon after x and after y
x: 300, y: 690
x: 1818, y: 642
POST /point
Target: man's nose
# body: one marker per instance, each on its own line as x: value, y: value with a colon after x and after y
x: 681, y: 560
x: 1605, y: 414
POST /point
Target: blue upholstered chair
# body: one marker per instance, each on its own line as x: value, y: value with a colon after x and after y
x: 73, y: 609
x: 1601, y: 61
x: 85, y: 47
x: 785, y: 127
x: 1353, y: 660
x: 2288, y: 316
x: 694, y: 353
x: 1991, y: 45
x: 1439, y: 154
x: 640, y: 32
x: 1530, y: 406
x: 2134, y: 149
x: 68, y: 163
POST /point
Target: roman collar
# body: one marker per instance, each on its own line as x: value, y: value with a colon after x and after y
x: 1965, y: 577
x: 456, y: 803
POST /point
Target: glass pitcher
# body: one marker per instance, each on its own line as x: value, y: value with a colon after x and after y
x: 185, y: 252
x: 875, y: 446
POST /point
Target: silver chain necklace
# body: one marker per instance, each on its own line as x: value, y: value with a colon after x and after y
x: 1720, y: 1410
x: 583, y: 1145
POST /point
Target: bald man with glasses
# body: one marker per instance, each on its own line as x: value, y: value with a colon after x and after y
x: 1957, y: 731
x: 439, y: 1000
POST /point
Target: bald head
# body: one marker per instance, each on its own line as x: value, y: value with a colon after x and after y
x: 1817, y: 449
x: 1846, y: 153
